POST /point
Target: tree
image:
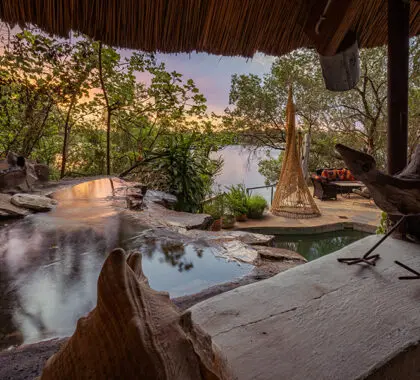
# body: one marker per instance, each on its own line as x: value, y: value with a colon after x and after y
x: 362, y: 111
x: 357, y: 117
x: 51, y: 76
x: 27, y: 90
x: 76, y: 76
x: 257, y: 105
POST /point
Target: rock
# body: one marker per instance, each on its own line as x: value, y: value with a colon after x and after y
x: 33, y: 202
x: 188, y: 221
x: 12, y: 178
x: 7, y: 209
x: 243, y: 236
x: 135, y: 197
x: 176, y: 220
x: 42, y: 172
x: 135, y: 333
x: 161, y: 198
x: 279, y: 254
x: 30, y: 179
x: 16, y: 172
x: 135, y: 203
x: 11, y: 159
x: 238, y: 251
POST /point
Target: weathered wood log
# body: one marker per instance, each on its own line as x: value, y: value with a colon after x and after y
x: 135, y: 332
x: 412, y: 170
x: 396, y: 195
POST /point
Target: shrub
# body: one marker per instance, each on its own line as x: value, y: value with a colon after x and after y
x: 187, y: 169
x: 237, y: 199
x: 214, y: 208
x: 256, y: 205
x: 383, y: 224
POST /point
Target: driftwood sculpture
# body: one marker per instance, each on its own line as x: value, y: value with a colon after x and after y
x: 396, y: 195
x: 135, y: 332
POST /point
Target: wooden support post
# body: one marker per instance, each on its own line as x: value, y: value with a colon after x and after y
x: 398, y: 54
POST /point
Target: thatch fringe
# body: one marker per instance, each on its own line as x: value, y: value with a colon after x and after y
x: 228, y: 27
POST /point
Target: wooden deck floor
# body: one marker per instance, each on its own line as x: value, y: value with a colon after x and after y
x: 356, y: 212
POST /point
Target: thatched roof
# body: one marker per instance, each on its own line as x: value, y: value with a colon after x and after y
x: 228, y: 27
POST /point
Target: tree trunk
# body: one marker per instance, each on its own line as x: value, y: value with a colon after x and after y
x: 371, y: 146
x: 66, y: 137
x: 306, y: 151
x: 108, y: 143
x: 108, y: 113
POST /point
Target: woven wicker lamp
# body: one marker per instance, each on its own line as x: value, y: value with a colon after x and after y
x: 292, y: 198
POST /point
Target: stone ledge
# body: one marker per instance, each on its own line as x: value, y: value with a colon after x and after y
x: 323, y: 320
x: 308, y: 230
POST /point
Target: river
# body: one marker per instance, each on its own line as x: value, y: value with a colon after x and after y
x: 242, y: 168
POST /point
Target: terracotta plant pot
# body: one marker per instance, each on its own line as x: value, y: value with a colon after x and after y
x: 241, y: 218
x: 228, y: 221
x: 217, y: 225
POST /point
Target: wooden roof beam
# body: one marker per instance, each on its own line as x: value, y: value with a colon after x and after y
x: 328, y: 23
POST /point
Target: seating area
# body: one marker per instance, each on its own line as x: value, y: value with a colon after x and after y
x: 328, y: 183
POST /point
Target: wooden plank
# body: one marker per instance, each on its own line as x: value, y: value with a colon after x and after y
x: 328, y: 23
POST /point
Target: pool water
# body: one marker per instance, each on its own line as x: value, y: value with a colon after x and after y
x: 314, y: 246
x: 50, y: 262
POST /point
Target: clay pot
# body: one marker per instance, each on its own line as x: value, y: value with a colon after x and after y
x: 217, y: 225
x: 241, y: 218
x: 228, y: 221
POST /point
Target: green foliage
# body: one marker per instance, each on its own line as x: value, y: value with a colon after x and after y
x: 270, y: 168
x: 357, y: 118
x: 383, y: 224
x: 237, y: 199
x: 187, y: 169
x: 256, y: 205
x: 216, y: 207
x: 56, y: 107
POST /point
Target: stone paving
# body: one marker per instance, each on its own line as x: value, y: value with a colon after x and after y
x: 354, y: 212
x: 323, y: 320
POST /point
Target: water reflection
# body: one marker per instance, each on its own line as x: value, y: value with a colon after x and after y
x: 49, y: 263
x: 316, y: 245
x: 189, y: 269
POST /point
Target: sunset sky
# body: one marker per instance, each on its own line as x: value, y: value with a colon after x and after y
x: 212, y: 74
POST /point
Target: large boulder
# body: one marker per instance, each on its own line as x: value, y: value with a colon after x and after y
x: 33, y: 202
x: 42, y: 172
x: 12, y: 178
x: 18, y: 173
x: 7, y: 209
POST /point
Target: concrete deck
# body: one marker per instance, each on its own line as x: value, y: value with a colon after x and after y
x: 355, y: 212
x: 323, y: 320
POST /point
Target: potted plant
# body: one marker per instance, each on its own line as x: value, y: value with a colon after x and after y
x: 228, y: 221
x: 256, y: 206
x: 237, y: 199
x: 215, y: 209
